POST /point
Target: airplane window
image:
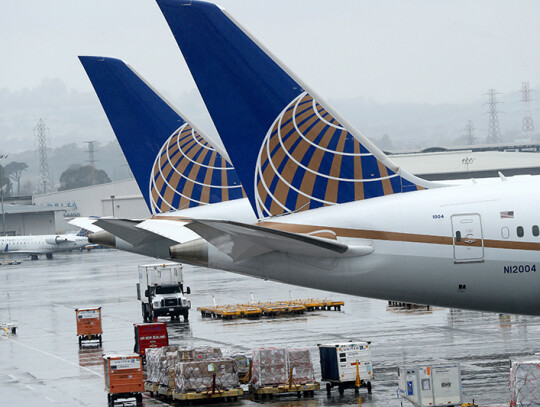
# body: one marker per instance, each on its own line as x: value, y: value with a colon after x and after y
x: 536, y: 230
x: 458, y: 236
x: 520, y: 232
x: 505, y: 232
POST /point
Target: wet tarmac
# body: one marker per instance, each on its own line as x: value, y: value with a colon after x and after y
x: 42, y: 364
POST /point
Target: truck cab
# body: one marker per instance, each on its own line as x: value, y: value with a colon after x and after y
x: 161, y: 291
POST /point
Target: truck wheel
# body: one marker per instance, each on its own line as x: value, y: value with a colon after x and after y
x: 144, y: 312
x: 100, y: 341
x: 328, y: 388
x: 80, y: 341
x: 138, y: 397
x: 368, y: 387
x: 186, y: 316
x: 341, y: 389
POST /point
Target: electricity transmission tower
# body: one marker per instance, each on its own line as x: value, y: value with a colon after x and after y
x: 527, y: 124
x: 91, y: 160
x: 41, y: 134
x: 469, y: 133
x: 494, y: 132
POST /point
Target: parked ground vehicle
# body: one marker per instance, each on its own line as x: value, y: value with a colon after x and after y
x: 89, y: 325
x: 346, y: 365
x: 150, y: 336
x: 123, y: 378
x: 161, y: 291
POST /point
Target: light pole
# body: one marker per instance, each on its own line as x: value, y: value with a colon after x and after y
x: 2, y: 197
x: 112, y: 202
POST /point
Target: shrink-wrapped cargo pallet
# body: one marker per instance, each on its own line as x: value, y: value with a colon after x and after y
x: 167, y: 369
x: 269, y: 367
x: 299, y: 361
x: 206, y: 352
x: 525, y: 383
x: 156, y: 361
x: 198, y: 376
x: 241, y: 361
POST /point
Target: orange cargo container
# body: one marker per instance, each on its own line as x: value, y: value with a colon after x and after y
x: 89, y: 324
x: 123, y: 377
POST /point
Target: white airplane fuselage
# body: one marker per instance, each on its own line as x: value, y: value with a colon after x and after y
x: 41, y: 244
x: 418, y: 255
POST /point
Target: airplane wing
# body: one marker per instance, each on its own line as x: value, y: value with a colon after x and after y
x: 85, y: 223
x: 240, y: 241
x: 126, y: 230
x: 169, y: 228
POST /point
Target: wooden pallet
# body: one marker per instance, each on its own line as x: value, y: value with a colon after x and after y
x: 232, y: 394
x: 285, y: 388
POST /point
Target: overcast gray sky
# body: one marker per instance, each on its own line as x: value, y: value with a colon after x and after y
x: 420, y: 51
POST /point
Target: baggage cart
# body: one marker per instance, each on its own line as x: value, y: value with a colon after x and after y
x: 434, y: 385
x: 151, y: 335
x: 123, y: 377
x: 89, y: 325
x: 346, y: 365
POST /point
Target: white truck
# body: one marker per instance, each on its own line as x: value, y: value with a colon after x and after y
x: 346, y: 365
x: 433, y: 385
x: 161, y: 291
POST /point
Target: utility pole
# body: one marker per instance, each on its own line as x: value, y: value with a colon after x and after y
x: 42, y: 137
x: 494, y: 132
x: 527, y: 124
x: 2, y: 196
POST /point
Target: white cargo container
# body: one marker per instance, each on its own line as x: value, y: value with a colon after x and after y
x: 433, y: 385
x: 161, y: 291
x: 342, y: 363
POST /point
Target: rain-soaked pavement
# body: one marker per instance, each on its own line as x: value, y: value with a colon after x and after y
x: 42, y: 365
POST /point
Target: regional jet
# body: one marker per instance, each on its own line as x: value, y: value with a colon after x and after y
x: 41, y: 244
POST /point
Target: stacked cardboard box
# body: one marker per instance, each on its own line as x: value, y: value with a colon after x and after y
x: 525, y: 383
x: 206, y: 352
x: 198, y: 375
x: 299, y: 361
x: 269, y: 367
x: 156, y: 362
x: 241, y: 360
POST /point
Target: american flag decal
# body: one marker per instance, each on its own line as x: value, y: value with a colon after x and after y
x: 507, y: 215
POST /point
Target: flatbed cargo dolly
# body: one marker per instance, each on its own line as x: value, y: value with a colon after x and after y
x: 89, y: 325
x: 8, y: 327
x: 308, y: 389
x: 224, y: 395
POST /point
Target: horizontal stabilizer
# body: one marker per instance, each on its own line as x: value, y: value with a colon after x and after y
x: 240, y: 241
x: 126, y: 230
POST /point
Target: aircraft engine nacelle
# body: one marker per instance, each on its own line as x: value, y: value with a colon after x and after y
x: 56, y: 240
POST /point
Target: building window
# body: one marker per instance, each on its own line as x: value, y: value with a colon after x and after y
x: 520, y: 232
